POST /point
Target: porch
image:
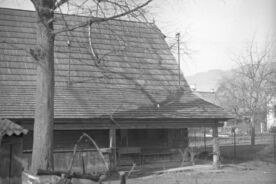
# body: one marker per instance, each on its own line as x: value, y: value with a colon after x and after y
x: 120, y: 147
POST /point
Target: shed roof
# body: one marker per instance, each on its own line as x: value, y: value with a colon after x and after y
x: 135, y: 77
x: 7, y: 127
x: 209, y: 96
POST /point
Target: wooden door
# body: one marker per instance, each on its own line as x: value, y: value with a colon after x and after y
x: 11, y: 161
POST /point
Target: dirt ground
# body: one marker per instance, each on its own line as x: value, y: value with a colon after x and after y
x: 251, y: 166
x: 252, y: 172
x: 249, y: 172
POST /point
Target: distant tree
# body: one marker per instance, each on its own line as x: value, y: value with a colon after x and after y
x: 249, y: 88
x: 43, y: 53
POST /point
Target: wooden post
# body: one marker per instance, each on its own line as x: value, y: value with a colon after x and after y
x: 235, y: 151
x: 204, y: 139
x: 274, y: 134
x: 252, y: 131
x: 112, y: 146
x: 123, y: 176
x: 10, y: 165
x: 216, y: 151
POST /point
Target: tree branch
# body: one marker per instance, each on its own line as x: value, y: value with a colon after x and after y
x: 95, y: 56
x: 99, y: 20
x: 59, y: 3
x: 39, y: 9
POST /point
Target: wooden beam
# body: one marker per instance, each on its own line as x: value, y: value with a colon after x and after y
x: 106, y: 123
x: 112, y: 146
x: 216, y: 150
x: 204, y: 139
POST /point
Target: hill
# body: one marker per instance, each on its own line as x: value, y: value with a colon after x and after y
x: 207, y: 81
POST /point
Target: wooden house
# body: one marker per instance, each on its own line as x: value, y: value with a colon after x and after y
x: 11, y: 142
x: 119, y: 83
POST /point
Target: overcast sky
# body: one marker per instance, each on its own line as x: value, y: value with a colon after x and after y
x: 214, y: 30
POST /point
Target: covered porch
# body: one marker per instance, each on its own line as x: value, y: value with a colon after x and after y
x: 147, y: 144
x: 138, y: 139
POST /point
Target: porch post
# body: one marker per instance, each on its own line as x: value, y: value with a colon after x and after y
x: 216, y: 150
x: 112, y: 146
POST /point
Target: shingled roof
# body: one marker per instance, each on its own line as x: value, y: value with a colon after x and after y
x: 136, y: 76
x: 208, y: 96
x: 9, y: 128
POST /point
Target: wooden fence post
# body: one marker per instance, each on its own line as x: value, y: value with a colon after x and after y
x: 272, y: 130
x: 216, y: 151
x: 112, y: 145
x: 205, y: 139
x: 122, y: 177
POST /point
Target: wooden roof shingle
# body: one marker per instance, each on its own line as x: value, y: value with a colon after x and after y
x: 9, y: 128
x: 135, y: 72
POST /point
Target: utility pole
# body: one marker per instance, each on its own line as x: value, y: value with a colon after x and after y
x: 178, y: 56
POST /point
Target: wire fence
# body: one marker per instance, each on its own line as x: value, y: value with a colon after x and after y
x: 199, y: 137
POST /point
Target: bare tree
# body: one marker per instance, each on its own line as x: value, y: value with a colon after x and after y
x: 43, y: 53
x: 249, y: 88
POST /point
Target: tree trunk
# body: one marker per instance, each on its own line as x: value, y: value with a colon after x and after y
x: 42, y: 156
x: 252, y: 130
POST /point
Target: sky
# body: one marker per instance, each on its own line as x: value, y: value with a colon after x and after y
x: 212, y: 31
x: 215, y: 30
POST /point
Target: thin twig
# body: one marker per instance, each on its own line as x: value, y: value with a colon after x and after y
x: 60, y: 3
x: 95, y: 56
x: 99, y: 20
x: 131, y: 170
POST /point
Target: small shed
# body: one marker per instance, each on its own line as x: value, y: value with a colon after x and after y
x: 11, y: 142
